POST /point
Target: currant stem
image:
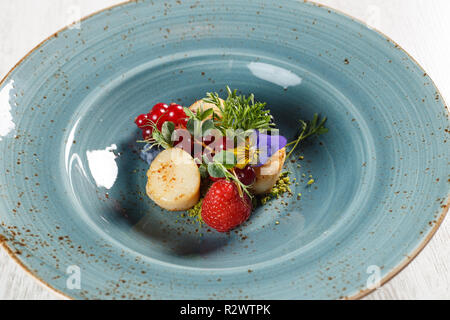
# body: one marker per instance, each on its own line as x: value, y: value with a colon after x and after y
x: 241, y: 194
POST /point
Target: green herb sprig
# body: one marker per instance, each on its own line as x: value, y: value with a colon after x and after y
x: 308, y: 129
x: 161, y: 138
x: 200, y: 114
x: 240, y: 112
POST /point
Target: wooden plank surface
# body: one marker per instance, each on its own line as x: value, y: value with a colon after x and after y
x: 421, y: 27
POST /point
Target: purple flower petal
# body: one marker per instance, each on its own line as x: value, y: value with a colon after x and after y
x: 267, y: 146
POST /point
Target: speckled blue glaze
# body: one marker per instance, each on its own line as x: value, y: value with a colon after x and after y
x: 72, y: 181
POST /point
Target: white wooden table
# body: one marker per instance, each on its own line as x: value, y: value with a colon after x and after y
x: 421, y: 27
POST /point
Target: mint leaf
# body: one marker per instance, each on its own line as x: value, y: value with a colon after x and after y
x: 203, y: 170
x: 206, y: 114
x: 194, y: 127
x: 167, y: 129
x: 207, y: 125
x: 216, y: 171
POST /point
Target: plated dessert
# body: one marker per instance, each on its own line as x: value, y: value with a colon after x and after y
x: 217, y: 156
x: 379, y: 185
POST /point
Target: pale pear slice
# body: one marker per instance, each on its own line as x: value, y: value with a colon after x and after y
x: 174, y: 180
x: 268, y: 174
x: 200, y: 103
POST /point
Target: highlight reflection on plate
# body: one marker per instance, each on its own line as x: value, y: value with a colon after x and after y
x: 274, y: 74
x: 6, y: 120
x: 72, y: 184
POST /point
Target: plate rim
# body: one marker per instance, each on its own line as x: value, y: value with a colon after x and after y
x: 362, y: 293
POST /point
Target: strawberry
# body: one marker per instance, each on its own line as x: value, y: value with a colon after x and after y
x: 223, y: 208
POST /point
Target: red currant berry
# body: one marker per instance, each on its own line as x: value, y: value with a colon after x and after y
x: 183, y: 122
x: 147, y: 133
x: 156, y: 116
x: 247, y: 175
x: 160, y: 107
x: 175, y: 113
x: 141, y: 120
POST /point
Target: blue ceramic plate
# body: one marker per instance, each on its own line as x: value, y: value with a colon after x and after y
x: 72, y: 200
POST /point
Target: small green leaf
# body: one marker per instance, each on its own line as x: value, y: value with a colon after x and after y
x: 207, y: 125
x: 157, y: 136
x: 207, y: 113
x: 167, y: 129
x: 215, y: 170
x: 314, y: 121
x: 203, y: 171
x: 322, y: 130
x: 194, y: 127
x: 190, y: 126
x: 159, y: 140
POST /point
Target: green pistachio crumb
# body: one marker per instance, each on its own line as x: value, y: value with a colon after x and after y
x: 281, y: 187
x: 264, y: 200
x: 195, y: 212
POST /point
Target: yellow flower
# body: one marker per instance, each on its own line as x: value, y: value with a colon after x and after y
x: 246, y: 154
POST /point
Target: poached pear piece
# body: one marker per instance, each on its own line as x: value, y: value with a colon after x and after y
x: 268, y: 174
x: 200, y: 104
